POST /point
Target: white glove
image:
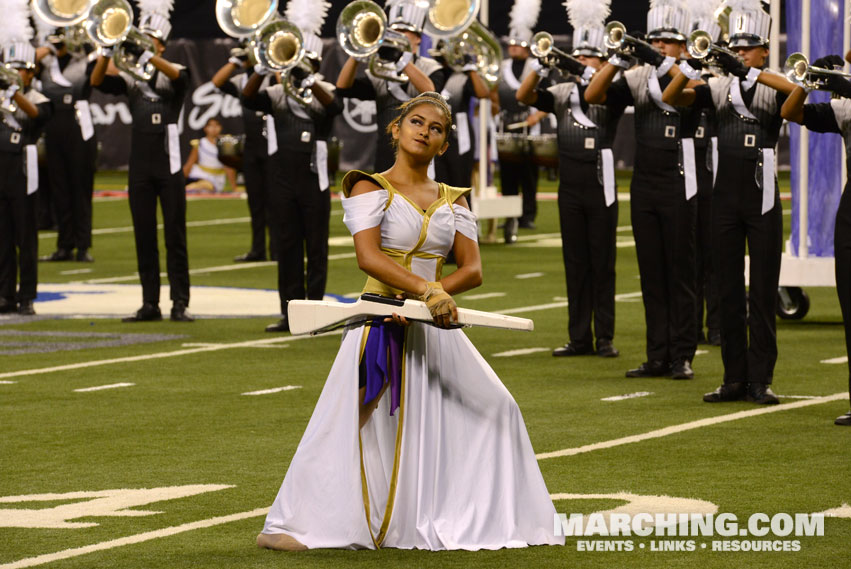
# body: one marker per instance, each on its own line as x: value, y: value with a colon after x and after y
x: 403, y: 61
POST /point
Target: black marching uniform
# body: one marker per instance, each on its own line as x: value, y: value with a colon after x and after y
x: 663, y: 215
x: 706, y: 290
x: 455, y: 166
x: 588, y: 216
x: 835, y: 116
x: 258, y: 168
x: 745, y: 210
x: 156, y: 172
x: 300, y: 206
x: 517, y: 176
x: 388, y: 95
x: 71, y: 150
x: 18, y: 227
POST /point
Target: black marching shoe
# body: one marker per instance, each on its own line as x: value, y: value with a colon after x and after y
x: 7, y: 306
x: 572, y: 349
x: 605, y: 349
x: 510, y: 230
x: 250, y: 257
x: 25, y: 308
x: 83, y: 256
x: 652, y: 368
x: 58, y: 255
x: 527, y: 224
x: 148, y: 313
x: 844, y: 420
x: 681, y: 369
x: 761, y: 394
x: 727, y: 392
x: 179, y: 313
x: 281, y: 325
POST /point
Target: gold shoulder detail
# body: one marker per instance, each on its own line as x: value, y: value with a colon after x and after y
x: 194, y: 142
x: 453, y: 193
x: 352, y: 177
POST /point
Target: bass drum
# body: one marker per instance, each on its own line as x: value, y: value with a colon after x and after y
x: 544, y: 150
x: 512, y: 147
x: 231, y: 148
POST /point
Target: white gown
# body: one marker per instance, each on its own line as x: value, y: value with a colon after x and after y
x: 453, y: 468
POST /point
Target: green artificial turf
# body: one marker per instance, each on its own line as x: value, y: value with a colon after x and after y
x: 185, y: 422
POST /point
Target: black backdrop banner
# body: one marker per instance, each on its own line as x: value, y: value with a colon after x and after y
x: 111, y: 115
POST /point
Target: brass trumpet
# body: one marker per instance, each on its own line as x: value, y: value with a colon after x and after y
x: 700, y: 46
x: 110, y: 24
x: 616, y: 38
x: 799, y: 71
x: 543, y: 47
x: 362, y: 29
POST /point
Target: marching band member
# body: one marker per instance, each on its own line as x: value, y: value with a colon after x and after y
x: 70, y: 143
x: 705, y: 150
x: 745, y: 203
x: 300, y: 200
x: 515, y: 176
x: 662, y: 203
x: 155, y: 166
x: 19, y: 130
x: 424, y: 74
x: 455, y: 166
x: 587, y: 195
x: 258, y: 164
x: 440, y: 460
x: 834, y: 116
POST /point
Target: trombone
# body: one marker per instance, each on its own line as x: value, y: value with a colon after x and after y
x: 8, y: 77
x: 454, y: 21
x: 362, y: 29
x: 799, y: 71
x: 700, y: 46
x: 543, y: 47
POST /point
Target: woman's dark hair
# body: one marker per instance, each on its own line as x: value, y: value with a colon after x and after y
x: 428, y: 98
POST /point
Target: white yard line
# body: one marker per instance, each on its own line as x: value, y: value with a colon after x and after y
x: 628, y: 296
x: 158, y: 355
x: 839, y: 360
x: 627, y: 396
x: 76, y: 272
x: 8, y: 382
x: 674, y: 429
x: 273, y: 390
x: 528, y: 276
x: 208, y: 344
x: 521, y: 352
x: 624, y: 228
x: 129, y: 229
x: 483, y: 296
x: 102, y: 387
x: 132, y: 539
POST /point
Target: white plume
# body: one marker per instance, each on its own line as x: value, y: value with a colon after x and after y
x: 745, y: 4
x: 15, y: 23
x: 161, y: 7
x: 589, y: 13
x: 524, y: 14
x: 308, y: 15
x: 684, y: 4
x: 703, y: 9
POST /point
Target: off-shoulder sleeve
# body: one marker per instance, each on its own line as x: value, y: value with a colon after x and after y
x: 364, y: 211
x: 465, y: 223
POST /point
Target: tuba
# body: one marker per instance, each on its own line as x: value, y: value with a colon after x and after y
x: 799, y: 71
x: 279, y: 46
x: 455, y: 22
x: 8, y: 77
x: 243, y: 18
x: 110, y: 24
x: 62, y: 13
x: 362, y: 29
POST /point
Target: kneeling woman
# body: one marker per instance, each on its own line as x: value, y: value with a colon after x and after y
x: 441, y: 459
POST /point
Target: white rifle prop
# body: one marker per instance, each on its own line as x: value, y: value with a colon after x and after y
x: 317, y: 316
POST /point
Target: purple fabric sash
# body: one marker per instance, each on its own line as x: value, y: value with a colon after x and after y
x: 382, y: 358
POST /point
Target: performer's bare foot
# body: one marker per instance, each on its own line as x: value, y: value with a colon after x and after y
x: 279, y: 541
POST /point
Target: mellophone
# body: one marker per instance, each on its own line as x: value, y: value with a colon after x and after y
x: 318, y: 316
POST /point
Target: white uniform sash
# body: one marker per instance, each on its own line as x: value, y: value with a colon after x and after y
x: 656, y: 94
x: 32, y: 168
x: 173, y: 148
x: 689, y: 167
x: 608, y: 165
x: 271, y: 135
x: 576, y: 110
x: 738, y: 102
x: 84, y: 118
x: 714, y: 142
x: 322, y: 164
x: 56, y: 73
x: 767, y: 179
